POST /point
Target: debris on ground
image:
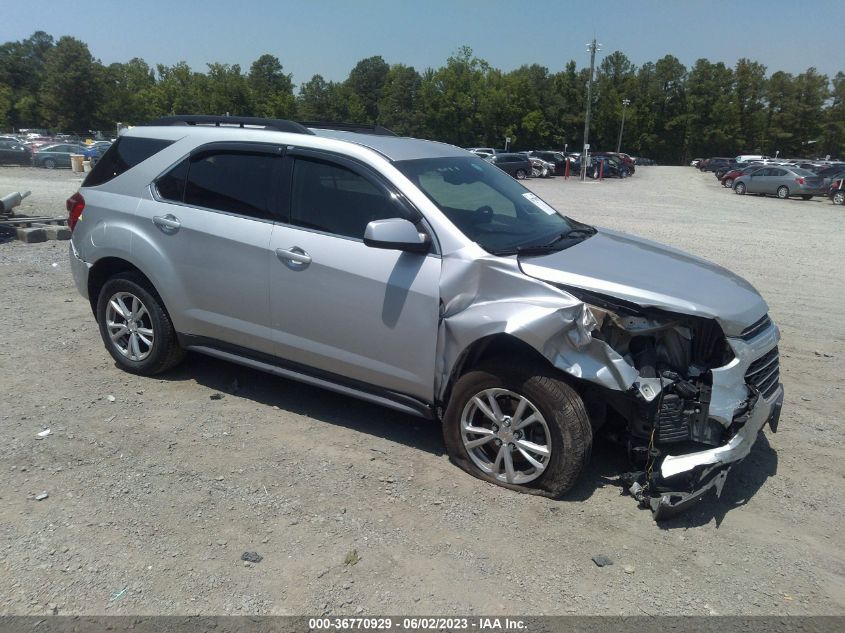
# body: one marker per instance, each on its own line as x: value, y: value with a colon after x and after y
x: 628, y: 569
x: 601, y: 560
x: 42, y: 496
x: 351, y: 558
x: 111, y: 398
x: 252, y: 557
x: 42, y: 434
x: 216, y: 396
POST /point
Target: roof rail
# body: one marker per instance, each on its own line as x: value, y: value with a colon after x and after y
x: 280, y: 125
x: 378, y: 130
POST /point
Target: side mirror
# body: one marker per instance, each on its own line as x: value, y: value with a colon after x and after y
x: 395, y: 234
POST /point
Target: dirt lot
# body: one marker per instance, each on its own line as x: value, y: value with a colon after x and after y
x: 156, y: 489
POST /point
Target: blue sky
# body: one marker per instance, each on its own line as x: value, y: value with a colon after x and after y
x: 330, y: 36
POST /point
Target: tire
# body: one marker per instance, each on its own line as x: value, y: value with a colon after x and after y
x: 560, y: 425
x: 48, y: 163
x: 806, y: 197
x: 520, y: 174
x: 719, y: 175
x: 728, y: 182
x: 740, y: 188
x: 535, y: 173
x: 783, y: 192
x: 155, y: 339
x: 838, y: 197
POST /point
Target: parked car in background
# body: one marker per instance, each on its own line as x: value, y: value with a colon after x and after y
x: 556, y: 158
x: 14, y: 152
x: 517, y: 165
x: 619, y: 160
x: 750, y: 158
x: 695, y: 162
x: 830, y: 172
x: 712, y: 164
x: 607, y: 167
x: 782, y: 182
x: 728, y: 178
x: 52, y: 156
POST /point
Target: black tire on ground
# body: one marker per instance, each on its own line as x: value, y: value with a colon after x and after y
x: 806, y: 197
x: 521, y: 174
x: 48, y: 163
x: 165, y: 351
x: 728, y: 182
x: 783, y: 192
x: 560, y: 405
x: 838, y: 197
x: 739, y: 188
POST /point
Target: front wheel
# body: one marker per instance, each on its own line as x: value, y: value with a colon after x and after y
x: 518, y: 427
x: 740, y: 188
x: 521, y: 174
x: 728, y: 182
x: 135, y: 327
x: 783, y: 192
x: 838, y: 197
x: 49, y: 163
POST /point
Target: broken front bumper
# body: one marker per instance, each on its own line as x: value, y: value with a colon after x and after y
x: 711, y: 467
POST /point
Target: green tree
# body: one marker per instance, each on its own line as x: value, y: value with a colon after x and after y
x: 398, y: 108
x: 366, y: 81
x: 128, y: 93
x: 72, y: 87
x: 271, y: 89
x: 750, y: 82
x: 713, y: 116
x: 22, y: 72
x: 833, y: 137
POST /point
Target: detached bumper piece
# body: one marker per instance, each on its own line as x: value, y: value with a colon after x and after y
x: 682, y: 480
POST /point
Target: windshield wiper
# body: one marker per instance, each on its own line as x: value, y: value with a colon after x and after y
x: 579, y: 231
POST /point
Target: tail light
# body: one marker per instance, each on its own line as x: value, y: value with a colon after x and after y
x: 75, y: 207
x: 800, y: 181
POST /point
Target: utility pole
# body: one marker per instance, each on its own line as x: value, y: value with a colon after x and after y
x: 592, y: 47
x: 625, y: 104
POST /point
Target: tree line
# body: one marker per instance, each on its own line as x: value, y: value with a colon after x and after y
x: 675, y: 112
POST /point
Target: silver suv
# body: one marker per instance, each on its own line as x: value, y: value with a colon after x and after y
x: 418, y: 276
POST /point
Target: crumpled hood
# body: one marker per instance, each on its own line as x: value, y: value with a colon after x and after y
x: 650, y: 274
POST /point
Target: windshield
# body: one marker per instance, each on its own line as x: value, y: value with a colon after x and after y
x: 486, y: 204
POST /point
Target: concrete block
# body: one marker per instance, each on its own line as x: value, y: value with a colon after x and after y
x: 57, y: 232
x: 31, y: 235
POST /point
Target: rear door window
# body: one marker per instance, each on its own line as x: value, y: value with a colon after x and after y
x: 232, y: 181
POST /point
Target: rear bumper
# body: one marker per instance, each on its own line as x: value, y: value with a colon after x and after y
x: 79, y: 269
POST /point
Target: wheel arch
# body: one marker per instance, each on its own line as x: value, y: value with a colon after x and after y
x: 106, y: 268
x: 512, y: 350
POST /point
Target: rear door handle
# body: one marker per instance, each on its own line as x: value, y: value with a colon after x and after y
x: 294, y: 255
x: 168, y: 221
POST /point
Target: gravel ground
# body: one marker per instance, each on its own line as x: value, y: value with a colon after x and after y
x: 156, y: 489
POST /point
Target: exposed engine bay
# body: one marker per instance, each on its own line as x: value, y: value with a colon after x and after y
x: 668, y: 410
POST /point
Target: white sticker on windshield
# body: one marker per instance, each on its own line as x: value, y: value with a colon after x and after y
x: 539, y: 203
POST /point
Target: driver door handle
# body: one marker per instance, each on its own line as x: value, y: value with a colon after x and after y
x: 294, y: 255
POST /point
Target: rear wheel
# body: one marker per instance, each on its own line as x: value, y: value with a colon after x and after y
x: 838, y: 197
x: 519, y: 427
x: 783, y: 192
x: 740, y: 188
x: 521, y: 174
x: 135, y: 327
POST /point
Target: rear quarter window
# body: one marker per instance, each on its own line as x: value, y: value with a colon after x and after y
x: 122, y: 156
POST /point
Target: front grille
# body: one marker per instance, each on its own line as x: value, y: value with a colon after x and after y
x: 756, y: 328
x: 764, y: 373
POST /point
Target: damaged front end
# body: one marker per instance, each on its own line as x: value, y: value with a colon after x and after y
x: 699, y: 402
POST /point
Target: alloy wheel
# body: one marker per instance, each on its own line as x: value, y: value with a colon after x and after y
x: 506, y: 436
x: 129, y: 325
